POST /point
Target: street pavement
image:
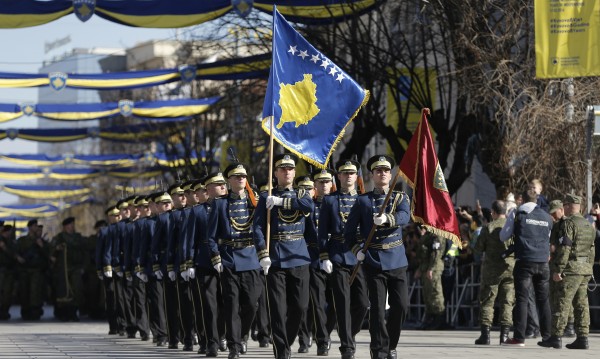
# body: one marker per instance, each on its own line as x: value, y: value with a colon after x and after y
x: 48, y: 339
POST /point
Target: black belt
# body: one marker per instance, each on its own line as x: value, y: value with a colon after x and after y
x: 287, y: 237
x: 238, y: 244
x: 384, y: 246
x: 337, y: 237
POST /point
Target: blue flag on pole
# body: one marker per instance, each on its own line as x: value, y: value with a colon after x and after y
x: 309, y: 98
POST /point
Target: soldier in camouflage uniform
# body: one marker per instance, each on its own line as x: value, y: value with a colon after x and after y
x: 430, y: 255
x: 558, y: 214
x: 572, y: 269
x: 497, y: 276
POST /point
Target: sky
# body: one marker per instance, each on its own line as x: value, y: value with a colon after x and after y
x: 23, y: 51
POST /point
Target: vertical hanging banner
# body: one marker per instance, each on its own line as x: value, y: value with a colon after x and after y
x: 567, y: 38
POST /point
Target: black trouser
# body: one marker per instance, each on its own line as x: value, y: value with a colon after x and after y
x: 186, y: 310
x: 319, y: 316
x: 288, y: 292
x: 527, y: 274
x: 139, y: 306
x: 351, y: 303
x: 120, y: 302
x: 261, y: 321
x: 240, y: 296
x: 209, y: 288
x: 392, y: 284
x: 171, y: 309
x: 533, y: 320
x: 129, y: 306
x: 156, y: 308
x: 114, y: 324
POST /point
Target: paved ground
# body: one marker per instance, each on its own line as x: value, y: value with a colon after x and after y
x: 50, y: 339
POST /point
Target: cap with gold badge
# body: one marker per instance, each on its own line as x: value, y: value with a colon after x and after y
x: 175, y: 189
x: 198, y: 185
x: 380, y: 161
x: 214, y: 178
x: 235, y: 169
x: 348, y: 166
x: 163, y: 198
x: 112, y: 211
x: 304, y: 182
x: 122, y: 204
x: 325, y: 174
x: 285, y: 160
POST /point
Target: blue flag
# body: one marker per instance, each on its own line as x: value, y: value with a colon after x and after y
x: 309, y: 99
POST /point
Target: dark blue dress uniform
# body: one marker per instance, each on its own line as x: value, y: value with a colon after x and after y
x: 115, y: 282
x: 288, y: 278
x: 385, y: 261
x: 138, y: 286
x: 103, y: 265
x: 123, y: 288
x: 230, y: 227
x: 351, y: 302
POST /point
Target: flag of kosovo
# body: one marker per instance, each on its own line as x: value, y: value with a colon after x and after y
x: 309, y: 99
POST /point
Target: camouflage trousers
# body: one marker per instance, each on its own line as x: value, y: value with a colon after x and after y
x: 572, y: 290
x: 554, y: 286
x: 433, y: 295
x: 494, y: 286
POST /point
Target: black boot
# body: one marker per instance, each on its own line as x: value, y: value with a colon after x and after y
x: 552, y: 342
x: 579, y: 343
x: 569, y: 330
x: 504, y: 330
x: 484, y: 339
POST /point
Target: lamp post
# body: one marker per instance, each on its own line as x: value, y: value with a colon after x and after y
x: 593, y: 116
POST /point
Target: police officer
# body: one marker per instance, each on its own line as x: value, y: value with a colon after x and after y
x: 230, y: 229
x: 287, y: 265
x: 531, y: 227
x: 430, y: 254
x: 497, y: 276
x: 385, y: 261
x: 351, y: 302
x: 572, y: 269
x: 34, y: 251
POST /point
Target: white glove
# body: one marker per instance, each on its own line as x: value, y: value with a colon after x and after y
x: 129, y: 278
x: 360, y: 256
x: 108, y: 274
x: 142, y: 276
x: 172, y: 276
x: 219, y: 267
x: 158, y: 274
x: 191, y: 273
x: 273, y: 201
x: 327, y: 266
x: 265, y: 263
x: 120, y: 274
x: 379, y: 220
x: 185, y: 275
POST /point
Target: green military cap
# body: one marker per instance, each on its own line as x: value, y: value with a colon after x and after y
x: 348, y: 166
x: 235, y: 169
x: 175, y: 189
x: 214, y: 178
x: 325, y: 174
x: 122, y: 204
x: 572, y: 198
x: 380, y: 161
x: 285, y: 160
x: 555, y: 205
x: 304, y: 182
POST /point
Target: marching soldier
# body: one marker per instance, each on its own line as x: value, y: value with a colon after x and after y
x: 385, y: 261
x: 34, y: 251
x: 230, y: 229
x: 92, y: 289
x: 287, y: 267
x: 68, y: 249
x: 351, y: 302
x: 496, y: 277
x: 104, y: 269
x: 572, y: 268
x: 430, y: 254
x: 128, y: 214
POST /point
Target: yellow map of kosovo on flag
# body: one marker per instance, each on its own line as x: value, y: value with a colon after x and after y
x: 309, y: 99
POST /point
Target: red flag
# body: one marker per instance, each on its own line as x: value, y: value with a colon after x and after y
x: 431, y: 203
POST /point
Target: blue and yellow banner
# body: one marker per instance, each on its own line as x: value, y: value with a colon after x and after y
x: 567, y: 38
x: 174, y: 13
x: 178, y: 110
x: 45, y: 192
x: 309, y: 100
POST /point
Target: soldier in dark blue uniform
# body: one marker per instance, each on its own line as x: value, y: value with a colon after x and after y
x: 385, y: 260
x: 230, y: 228
x: 351, y: 302
x: 105, y: 269
x: 288, y: 277
x: 123, y: 294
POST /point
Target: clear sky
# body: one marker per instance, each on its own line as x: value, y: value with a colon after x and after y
x: 23, y: 51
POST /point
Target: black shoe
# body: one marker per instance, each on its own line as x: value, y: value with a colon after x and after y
x: 579, y: 343
x: 161, y: 343
x: 532, y: 335
x: 74, y: 318
x: 552, y: 342
x: 393, y: 354
x: 121, y: 333
x: 303, y: 348
x: 131, y: 336
x: 504, y: 330
x: 233, y: 354
x: 263, y: 343
x: 322, y: 350
x: 212, y: 353
x: 112, y: 332
x: 173, y: 346
x: 244, y: 349
x: 348, y: 354
x: 569, y: 331
x: 202, y: 348
x: 223, y: 345
x: 188, y: 348
x: 484, y: 338
x: 145, y: 337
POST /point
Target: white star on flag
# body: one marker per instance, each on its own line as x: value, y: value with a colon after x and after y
x: 340, y: 77
x: 292, y: 49
x: 315, y: 58
x: 303, y: 54
x: 332, y: 71
x: 325, y: 63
